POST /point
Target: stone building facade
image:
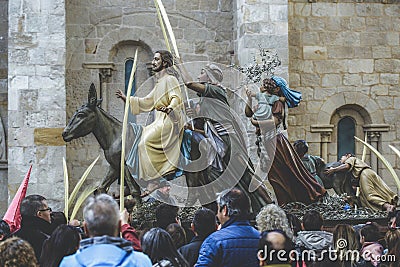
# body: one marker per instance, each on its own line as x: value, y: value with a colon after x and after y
x: 342, y: 55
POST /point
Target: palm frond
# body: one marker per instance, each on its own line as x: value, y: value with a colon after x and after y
x: 66, y: 189
x: 80, y: 183
x: 384, y: 161
x: 85, y: 194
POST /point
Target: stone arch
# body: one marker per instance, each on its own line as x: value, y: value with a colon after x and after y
x: 357, y: 101
x: 365, y: 112
x: 118, y: 53
x: 360, y: 116
x: 146, y: 37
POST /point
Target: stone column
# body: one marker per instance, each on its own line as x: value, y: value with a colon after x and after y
x: 374, y: 133
x: 262, y: 23
x: 3, y: 103
x: 325, y: 131
x: 36, y: 96
x: 373, y: 139
x: 105, y: 74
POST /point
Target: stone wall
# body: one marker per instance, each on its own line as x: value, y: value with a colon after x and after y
x: 345, y: 59
x: 3, y: 102
x: 111, y: 31
x: 342, y: 55
x: 36, y: 96
x: 260, y: 24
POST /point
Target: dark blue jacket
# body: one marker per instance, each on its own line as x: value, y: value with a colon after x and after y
x: 236, y: 244
x: 191, y: 251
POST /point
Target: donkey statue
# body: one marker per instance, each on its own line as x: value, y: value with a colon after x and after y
x: 90, y: 118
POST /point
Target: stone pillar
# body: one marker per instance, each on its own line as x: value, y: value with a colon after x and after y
x: 373, y: 139
x: 36, y: 96
x: 325, y: 131
x: 3, y: 103
x: 105, y: 74
x: 374, y: 132
x: 262, y: 23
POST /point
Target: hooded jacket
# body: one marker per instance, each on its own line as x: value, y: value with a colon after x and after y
x: 106, y: 251
x: 314, y: 242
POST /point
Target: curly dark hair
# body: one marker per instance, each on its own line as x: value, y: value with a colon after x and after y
x: 16, y: 252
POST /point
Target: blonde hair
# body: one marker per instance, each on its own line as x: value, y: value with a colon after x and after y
x: 272, y: 217
x: 16, y: 252
x: 347, y: 233
x: 391, y: 237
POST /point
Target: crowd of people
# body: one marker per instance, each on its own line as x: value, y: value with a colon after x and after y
x: 222, y: 238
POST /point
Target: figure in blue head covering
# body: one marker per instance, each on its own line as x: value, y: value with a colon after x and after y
x: 293, y: 97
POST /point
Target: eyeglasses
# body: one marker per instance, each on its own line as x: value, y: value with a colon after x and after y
x: 48, y: 209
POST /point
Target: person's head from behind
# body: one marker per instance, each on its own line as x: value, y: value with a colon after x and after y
x: 204, y: 223
x: 294, y: 223
x: 369, y: 233
x: 101, y: 216
x: 58, y: 218
x: 312, y: 221
x: 232, y: 203
x: 301, y: 147
x: 211, y: 73
x: 158, y: 245
x: 274, y: 247
x: 177, y: 234
x: 166, y: 214
x: 16, y: 252
x: 63, y: 241
x: 35, y: 206
x: 4, y: 230
x: 345, y: 232
x: 272, y: 217
x: 391, y: 237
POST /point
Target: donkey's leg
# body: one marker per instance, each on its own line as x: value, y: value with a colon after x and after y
x: 110, y: 178
x: 134, y: 188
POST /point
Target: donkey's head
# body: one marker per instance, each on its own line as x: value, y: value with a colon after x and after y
x: 84, y: 119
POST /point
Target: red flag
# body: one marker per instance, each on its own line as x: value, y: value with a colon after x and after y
x: 13, y: 214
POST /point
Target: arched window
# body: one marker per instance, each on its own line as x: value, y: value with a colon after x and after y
x: 346, y: 133
x: 128, y: 69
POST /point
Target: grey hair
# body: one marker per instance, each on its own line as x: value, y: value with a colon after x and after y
x: 101, y: 215
x: 272, y: 217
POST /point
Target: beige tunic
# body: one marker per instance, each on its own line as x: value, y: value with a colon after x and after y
x: 159, y: 146
x: 373, y: 190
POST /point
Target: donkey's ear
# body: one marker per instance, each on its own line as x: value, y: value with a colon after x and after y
x: 99, y: 101
x: 92, y: 96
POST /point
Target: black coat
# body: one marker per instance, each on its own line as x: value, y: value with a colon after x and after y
x: 34, y: 230
x: 191, y: 251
